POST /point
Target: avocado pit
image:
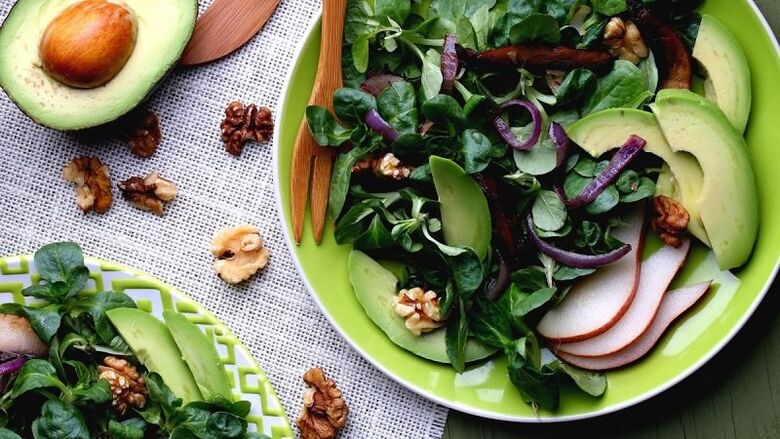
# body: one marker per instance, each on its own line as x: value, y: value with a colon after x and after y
x: 89, y: 43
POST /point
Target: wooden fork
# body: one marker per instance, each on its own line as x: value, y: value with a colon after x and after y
x: 311, y: 162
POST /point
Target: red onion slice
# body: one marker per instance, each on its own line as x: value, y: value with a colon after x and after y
x: 628, y: 152
x: 12, y: 365
x: 375, y: 85
x: 449, y: 63
x: 506, y: 132
x: 375, y: 122
x: 561, y: 141
x: 572, y: 259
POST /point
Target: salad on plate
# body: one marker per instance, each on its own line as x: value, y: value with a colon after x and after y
x: 501, y: 164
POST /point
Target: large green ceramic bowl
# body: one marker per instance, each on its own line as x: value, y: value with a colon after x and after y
x: 485, y: 390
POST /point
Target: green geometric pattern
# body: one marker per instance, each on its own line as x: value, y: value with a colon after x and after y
x: 247, y: 379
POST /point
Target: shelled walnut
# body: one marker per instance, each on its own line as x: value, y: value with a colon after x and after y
x: 387, y: 165
x: 93, y: 183
x: 128, y: 388
x: 240, y: 253
x: 145, y: 136
x: 245, y: 123
x: 624, y: 41
x: 149, y: 193
x: 420, y: 308
x: 324, y: 410
x: 670, y: 220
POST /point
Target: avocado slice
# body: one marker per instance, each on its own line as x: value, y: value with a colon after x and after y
x: 727, y: 82
x: 163, y: 31
x: 728, y: 203
x: 465, y: 216
x: 201, y: 356
x: 375, y: 287
x: 152, y: 343
x: 606, y: 130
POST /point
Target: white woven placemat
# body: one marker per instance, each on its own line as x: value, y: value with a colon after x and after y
x: 273, y: 314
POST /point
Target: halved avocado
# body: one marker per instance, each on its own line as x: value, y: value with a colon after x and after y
x: 728, y: 203
x: 375, y: 287
x: 163, y: 29
x: 200, y: 354
x: 727, y: 82
x: 606, y: 130
x: 151, y: 341
x: 465, y: 216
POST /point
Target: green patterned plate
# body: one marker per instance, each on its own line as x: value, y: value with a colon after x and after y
x: 484, y: 389
x: 247, y: 379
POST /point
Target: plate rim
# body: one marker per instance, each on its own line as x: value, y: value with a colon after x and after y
x: 117, y: 266
x: 281, y: 208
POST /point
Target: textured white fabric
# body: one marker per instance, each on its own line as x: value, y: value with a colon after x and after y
x: 273, y: 314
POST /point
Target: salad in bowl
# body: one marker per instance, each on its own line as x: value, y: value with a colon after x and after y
x: 501, y: 165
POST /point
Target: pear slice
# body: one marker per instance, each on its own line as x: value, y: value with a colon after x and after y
x: 673, y: 305
x: 657, y: 273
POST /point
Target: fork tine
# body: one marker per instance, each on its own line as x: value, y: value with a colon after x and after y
x: 303, y: 155
x: 320, y: 190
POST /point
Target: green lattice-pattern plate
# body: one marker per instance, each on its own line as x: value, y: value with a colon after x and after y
x: 247, y: 379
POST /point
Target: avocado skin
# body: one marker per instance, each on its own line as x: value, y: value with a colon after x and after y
x: 151, y: 341
x: 201, y: 356
x: 465, y: 216
x: 374, y: 288
x: 728, y: 82
x: 20, y: 5
x: 728, y: 202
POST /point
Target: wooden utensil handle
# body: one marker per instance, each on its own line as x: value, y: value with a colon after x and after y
x: 333, y: 15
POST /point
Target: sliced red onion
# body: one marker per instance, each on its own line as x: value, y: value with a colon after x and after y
x: 449, y: 62
x: 506, y: 132
x: 628, y: 152
x: 501, y: 283
x: 375, y: 85
x: 572, y: 259
x: 12, y: 365
x: 561, y: 141
x: 375, y: 122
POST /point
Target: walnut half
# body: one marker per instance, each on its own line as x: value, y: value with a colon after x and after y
x: 670, y: 220
x: 148, y: 193
x: 127, y: 386
x: 245, y: 123
x: 93, y: 183
x: 240, y: 253
x: 624, y: 40
x: 324, y: 410
x: 420, y: 309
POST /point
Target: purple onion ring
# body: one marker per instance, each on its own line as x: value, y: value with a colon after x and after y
x: 375, y: 121
x: 506, y: 132
x: 449, y: 62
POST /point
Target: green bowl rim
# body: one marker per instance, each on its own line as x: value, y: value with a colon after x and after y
x: 465, y: 408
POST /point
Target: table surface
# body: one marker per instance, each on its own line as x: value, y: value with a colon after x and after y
x: 736, y: 395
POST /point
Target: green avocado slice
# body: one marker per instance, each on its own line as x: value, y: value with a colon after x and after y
x: 725, y: 65
x: 164, y: 29
x: 682, y: 180
x: 201, y: 356
x: 375, y: 287
x: 465, y: 216
x: 728, y: 203
x: 152, y: 343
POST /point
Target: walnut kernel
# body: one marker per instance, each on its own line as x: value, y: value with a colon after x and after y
x: 93, y: 183
x: 146, y: 136
x: 240, y: 253
x: 624, y: 40
x: 324, y: 410
x: 245, y: 123
x: 420, y: 309
x: 127, y: 386
x: 149, y: 193
x: 670, y: 220
x: 387, y: 166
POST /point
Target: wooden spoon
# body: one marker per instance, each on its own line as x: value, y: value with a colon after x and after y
x: 310, y: 159
x: 226, y: 26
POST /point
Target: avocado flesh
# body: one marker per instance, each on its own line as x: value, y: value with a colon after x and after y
x: 201, y: 356
x: 606, y: 130
x: 164, y: 29
x: 375, y: 287
x: 723, y: 60
x: 465, y: 216
x: 728, y: 203
x: 151, y: 341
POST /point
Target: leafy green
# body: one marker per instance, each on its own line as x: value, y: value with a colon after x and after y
x: 540, y: 28
x: 578, y: 86
x: 524, y: 303
x: 324, y: 127
x: 456, y: 337
x: 490, y: 324
x: 623, y: 87
x: 548, y: 211
x: 34, y: 375
x: 351, y: 105
x: 60, y: 420
x: 444, y: 110
x: 592, y: 383
x: 342, y: 172
x: 609, y: 7
x: 398, y: 106
x: 538, y: 386
x: 132, y: 428
x: 477, y: 151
